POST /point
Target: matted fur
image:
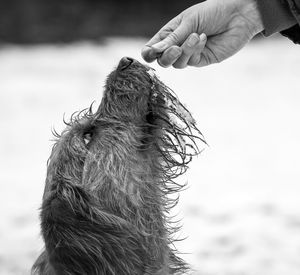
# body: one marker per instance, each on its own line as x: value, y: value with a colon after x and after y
x: 110, y: 176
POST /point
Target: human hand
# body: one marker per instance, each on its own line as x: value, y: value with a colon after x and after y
x: 205, y: 33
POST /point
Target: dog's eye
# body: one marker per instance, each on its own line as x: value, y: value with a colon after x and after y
x: 87, y: 137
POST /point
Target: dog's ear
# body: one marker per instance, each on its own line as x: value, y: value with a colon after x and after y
x: 42, y: 266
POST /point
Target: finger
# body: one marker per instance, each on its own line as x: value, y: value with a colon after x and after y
x: 195, y: 58
x: 175, y: 37
x: 164, y: 31
x: 150, y: 54
x: 190, y: 46
x: 169, y: 56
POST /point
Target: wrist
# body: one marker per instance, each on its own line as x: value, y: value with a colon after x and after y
x: 249, y: 10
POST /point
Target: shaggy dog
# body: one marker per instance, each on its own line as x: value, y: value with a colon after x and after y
x: 110, y: 181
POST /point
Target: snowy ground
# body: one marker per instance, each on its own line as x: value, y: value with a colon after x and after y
x: 241, y: 212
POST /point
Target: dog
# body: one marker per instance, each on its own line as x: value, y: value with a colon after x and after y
x: 111, y: 181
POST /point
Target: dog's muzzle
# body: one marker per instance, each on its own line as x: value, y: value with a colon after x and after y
x: 125, y: 62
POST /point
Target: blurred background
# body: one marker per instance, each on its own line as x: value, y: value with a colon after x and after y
x: 241, y: 212
x: 56, y: 21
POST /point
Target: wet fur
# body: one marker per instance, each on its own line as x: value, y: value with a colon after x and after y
x: 110, y: 175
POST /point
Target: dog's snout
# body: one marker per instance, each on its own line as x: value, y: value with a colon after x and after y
x: 125, y: 62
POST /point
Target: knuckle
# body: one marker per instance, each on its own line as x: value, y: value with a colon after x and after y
x: 163, y: 34
x: 174, y: 37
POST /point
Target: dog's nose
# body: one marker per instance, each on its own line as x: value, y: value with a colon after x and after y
x: 125, y: 62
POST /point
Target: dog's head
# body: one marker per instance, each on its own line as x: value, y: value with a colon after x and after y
x: 138, y: 114
x: 109, y: 175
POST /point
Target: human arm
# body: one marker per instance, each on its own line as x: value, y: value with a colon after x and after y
x: 228, y: 25
x: 219, y: 29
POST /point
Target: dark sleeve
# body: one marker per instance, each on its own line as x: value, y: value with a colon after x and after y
x: 281, y: 16
x: 294, y: 32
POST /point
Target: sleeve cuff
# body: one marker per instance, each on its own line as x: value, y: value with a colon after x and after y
x: 276, y: 16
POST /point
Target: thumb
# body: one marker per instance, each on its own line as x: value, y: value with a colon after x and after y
x: 177, y: 37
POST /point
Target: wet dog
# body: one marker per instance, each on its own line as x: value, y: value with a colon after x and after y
x: 110, y: 181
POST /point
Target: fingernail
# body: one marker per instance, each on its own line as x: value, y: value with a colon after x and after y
x: 203, y: 37
x: 193, y: 40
